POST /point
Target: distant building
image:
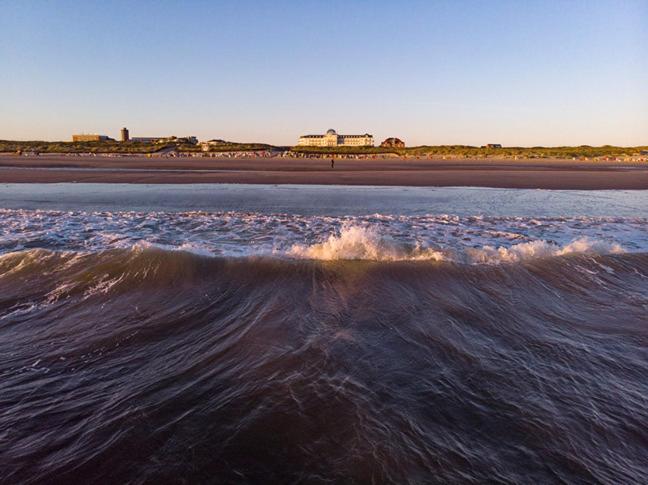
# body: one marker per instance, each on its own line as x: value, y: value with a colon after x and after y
x: 192, y: 140
x: 493, y: 145
x: 124, y: 134
x: 91, y: 137
x: 146, y: 139
x: 332, y: 139
x: 393, y: 143
x: 165, y: 139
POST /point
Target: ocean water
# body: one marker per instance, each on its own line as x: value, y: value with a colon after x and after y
x: 259, y: 334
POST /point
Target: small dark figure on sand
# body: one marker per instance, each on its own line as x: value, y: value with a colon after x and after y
x: 332, y: 163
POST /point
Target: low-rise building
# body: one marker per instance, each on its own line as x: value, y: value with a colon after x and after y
x: 165, y: 139
x: 90, y: 137
x: 332, y: 139
x: 191, y: 140
x: 146, y: 139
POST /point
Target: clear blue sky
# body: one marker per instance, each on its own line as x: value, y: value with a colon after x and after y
x: 435, y: 72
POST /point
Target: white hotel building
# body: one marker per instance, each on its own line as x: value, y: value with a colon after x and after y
x: 332, y: 139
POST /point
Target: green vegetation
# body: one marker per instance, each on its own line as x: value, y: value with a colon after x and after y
x: 465, y: 151
x: 583, y: 151
x: 180, y: 144
x: 80, y: 147
x: 230, y: 146
x: 449, y: 151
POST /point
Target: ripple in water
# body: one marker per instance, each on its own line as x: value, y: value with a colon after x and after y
x: 248, y: 348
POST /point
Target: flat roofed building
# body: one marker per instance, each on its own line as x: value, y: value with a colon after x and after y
x: 146, y: 139
x: 192, y: 140
x: 90, y: 137
x: 332, y: 139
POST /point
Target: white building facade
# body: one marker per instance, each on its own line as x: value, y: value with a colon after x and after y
x: 332, y: 139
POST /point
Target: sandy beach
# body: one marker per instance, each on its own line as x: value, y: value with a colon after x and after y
x: 542, y: 174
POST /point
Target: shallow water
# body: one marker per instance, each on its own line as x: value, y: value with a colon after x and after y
x: 437, y: 336
x: 325, y: 199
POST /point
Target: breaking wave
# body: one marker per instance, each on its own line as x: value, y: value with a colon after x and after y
x: 373, y: 237
x: 360, y: 243
x: 136, y: 348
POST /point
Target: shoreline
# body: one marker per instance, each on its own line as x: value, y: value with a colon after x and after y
x: 324, y: 200
x: 496, y: 173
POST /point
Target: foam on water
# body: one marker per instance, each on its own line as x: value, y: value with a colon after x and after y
x: 145, y: 346
x: 364, y: 243
x: 464, y: 239
x: 540, y: 249
x: 361, y: 243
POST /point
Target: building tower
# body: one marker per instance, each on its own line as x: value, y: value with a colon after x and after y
x: 124, y: 134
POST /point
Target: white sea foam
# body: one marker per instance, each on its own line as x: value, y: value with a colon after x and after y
x: 184, y: 247
x: 467, y: 239
x: 356, y: 242
x: 539, y: 249
x: 362, y: 243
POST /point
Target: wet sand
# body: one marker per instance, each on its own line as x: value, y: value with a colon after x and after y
x: 542, y: 174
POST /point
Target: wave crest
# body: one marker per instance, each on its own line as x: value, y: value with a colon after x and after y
x: 351, y: 243
x: 363, y: 243
x: 366, y: 243
x: 539, y: 249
